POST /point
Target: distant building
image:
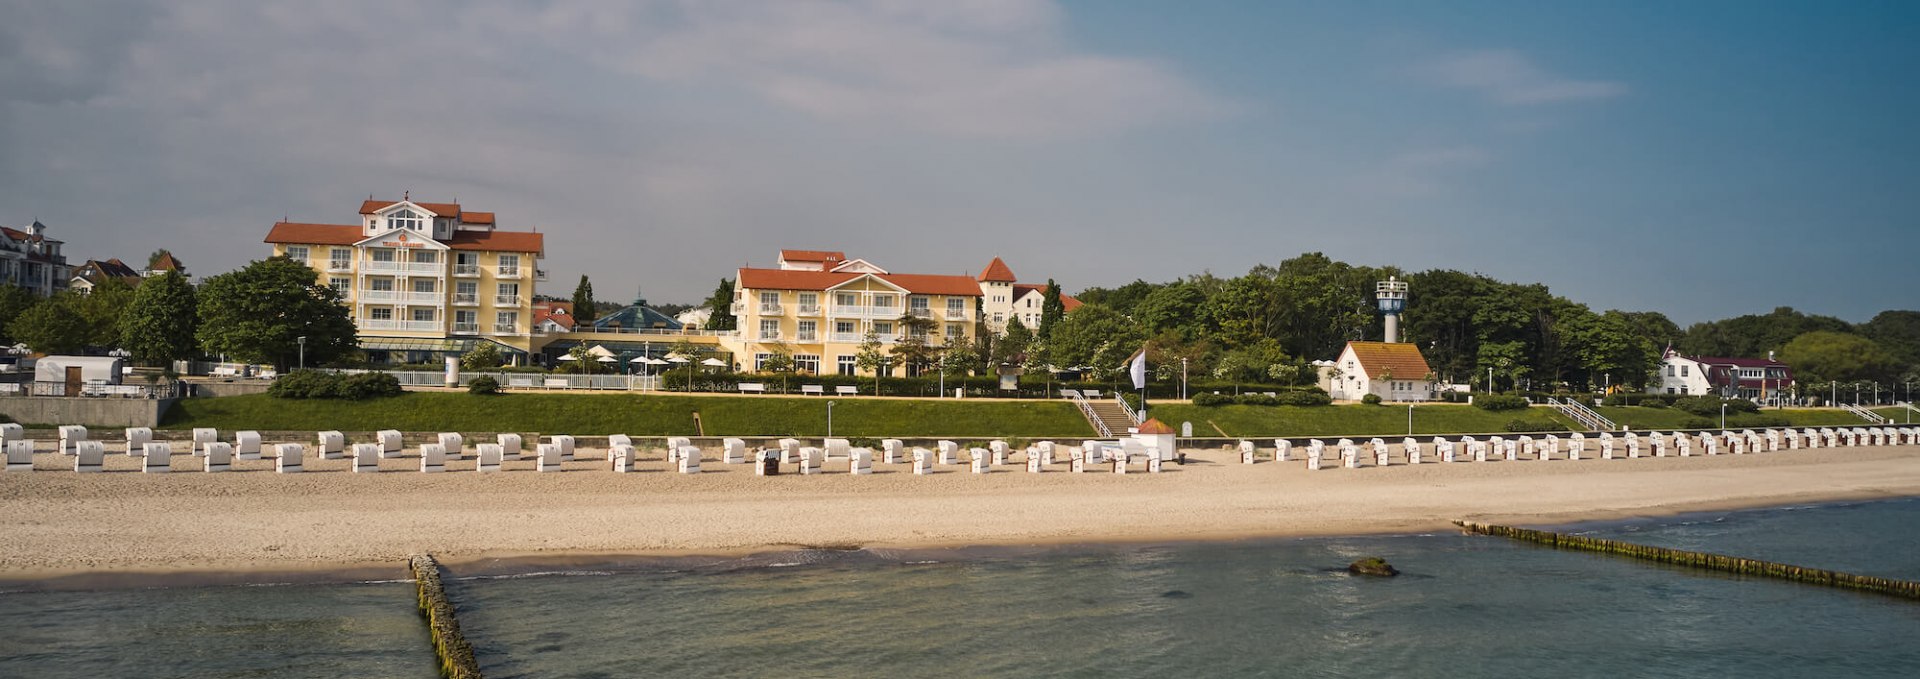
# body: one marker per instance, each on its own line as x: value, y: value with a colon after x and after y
x: 1003, y: 298
x: 1761, y: 380
x: 31, y: 260
x: 695, y: 317
x: 637, y: 317
x: 95, y: 272
x: 164, y: 263
x: 818, y: 306
x: 424, y: 280
x: 1393, y: 371
x: 553, y: 317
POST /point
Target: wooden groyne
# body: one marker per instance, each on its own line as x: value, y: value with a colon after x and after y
x: 1713, y: 562
x: 456, y: 655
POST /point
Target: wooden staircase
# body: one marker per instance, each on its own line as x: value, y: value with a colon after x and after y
x: 1111, y: 415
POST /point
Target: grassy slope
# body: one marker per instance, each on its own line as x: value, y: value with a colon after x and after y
x: 1671, y: 418
x: 1358, y: 420
x: 640, y: 415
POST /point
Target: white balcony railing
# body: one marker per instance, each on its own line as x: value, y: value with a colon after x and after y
x: 772, y: 309
x: 339, y: 265
x: 506, y: 329
x: 508, y: 272
x: 432, y: 298
x: 405, y: 326
x: 806, y: 337
x: 920, y: 312
x: 845, y: 310
x: 372, y: 266
x: 465, y: 299
x: 845, y: 337
x: 769, y: 337
x: 956, y: 314
x: 466, y: 328
x: 506, y: 300
x: 809, y: 310
x: 466, y: 270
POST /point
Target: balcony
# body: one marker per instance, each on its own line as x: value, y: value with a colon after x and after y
x: 769, y: 337
x: 404, y: 326
x: 807, y: 337
x: 845, y: 337
x: 852, y: 311
x: 466, y: 270
x: 809, y: 310
x: 956, y: 314
x: 377, y: 266
x: 432, y: 298
x: 506, y: 300
x: 506, y: 329
x: 339, y: 265
x: 920, y: 312
x: 772, y: 309
x: 540, y: 274
x: 466, y: 328
x: 466, y: 299
x: 508, y: 272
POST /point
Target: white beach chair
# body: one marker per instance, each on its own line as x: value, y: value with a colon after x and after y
x: 286, y: 457
x: 88, y: 456
x: 20, y: 455
x: 891, y: 450
x: 69, y: 435
x: 510, y: 446
x: 202, y: 437
x: 332, y: 445
x: 158, y: 458
x: 246, y: 445
x: 860, y: 461
x: 548, y: 455
x: 390, y: 445
x: 217, y: 456
x: 488, y: 457
x: 733, y: 451
x: 433, y: 458
x: 453, y: 444
x: 366, y: 458
x: 922, y: 462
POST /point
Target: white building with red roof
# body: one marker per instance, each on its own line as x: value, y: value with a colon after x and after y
x: 1004, y: 298
x: 31, y: 260
x: 1761, y: 380
x: 424, y: 279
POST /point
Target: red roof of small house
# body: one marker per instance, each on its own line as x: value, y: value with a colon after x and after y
x: 1154, y: 426
x: 476, y: 217
x: 922, y: 284
x: 822, y: 256
x: 1067, y: 302
x: 558, y: 315
x: 1402, y: 360
x: 439, y: 209
x: 997, y: 272
x: 166, y: 262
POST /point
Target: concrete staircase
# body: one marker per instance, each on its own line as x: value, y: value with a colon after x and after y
x: 1109, y: 413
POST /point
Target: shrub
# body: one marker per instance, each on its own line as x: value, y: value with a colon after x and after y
x: 1530, y: 426
x: 317, y: 384
x: 1499, y: 402
x: 1698, y: 423
x: 483, y: 385
x: 1211, y: 399
x: 1710, y: 405
x: 1371, y: 399
x: 368, y: 385
x: 1305, y: 397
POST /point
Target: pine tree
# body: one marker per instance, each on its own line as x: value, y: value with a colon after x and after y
x: 1051, y: 310
x: 720, y: 307
x: 583, y: 310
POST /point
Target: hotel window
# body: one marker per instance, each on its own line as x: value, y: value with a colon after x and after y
x: 510, y: 265
x: 339, y: 284
x: 846, y: 299
x: 466, y: 262
x: 380, y: 284
x: 509, y: 293
x: 466, y: 291
x: 769, y: 299
x: 465, y: 319
x: 881, y: 302
x: 297, y: 253
x: 380, y: 254
x: 807, y: 363
x: 917, y: 305
x: 423, y: 285
x: 809, y: 300
x: 956, y: 305
x: 956, y: 330
x: 882, y: 328
x: 425, y: 257
x: 843, y: 328
x: 1669, y: 371
x: 845, y: 365
x: 507, y: 320
x: 760, y: 361
x: 339, y: 258
x: 380, y: 314
x: 769, y: 328
x: 423, y: 315
x: 807, y: 331
x: 405, y: 219
x: 1683, y: 373
x: 998, y: 317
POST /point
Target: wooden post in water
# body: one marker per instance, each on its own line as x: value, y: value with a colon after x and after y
x: 456, y: 655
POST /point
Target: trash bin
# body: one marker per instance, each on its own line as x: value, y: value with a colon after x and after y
x: 770, y: 463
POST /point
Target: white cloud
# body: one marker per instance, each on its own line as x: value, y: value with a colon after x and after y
x: 1509, y: 77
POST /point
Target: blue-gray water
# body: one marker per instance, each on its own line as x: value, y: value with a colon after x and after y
x: 1467, y: 606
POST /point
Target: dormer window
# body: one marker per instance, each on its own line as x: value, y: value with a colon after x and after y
x: 406, y: 219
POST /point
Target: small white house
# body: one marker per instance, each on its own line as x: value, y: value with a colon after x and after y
x: 93, y: 369
x: 1393, y: 371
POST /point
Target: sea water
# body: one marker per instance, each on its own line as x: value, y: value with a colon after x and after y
x: 1465, y: 606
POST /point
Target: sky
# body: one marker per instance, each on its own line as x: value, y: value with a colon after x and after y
x: 1704, y: 159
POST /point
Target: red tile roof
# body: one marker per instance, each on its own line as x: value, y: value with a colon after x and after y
x: 922, y: 284
x: 1067, y: 302
x: 1402, y: 359
x: 997, y: 272
x: 440, y: 209
x: 1154, y: 426
x: 812, y: 255
x: 477, y: 217
x: 166, y: 262
x: 348, y: 234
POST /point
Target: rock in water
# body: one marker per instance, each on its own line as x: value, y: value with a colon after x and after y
x: 1372, y: 565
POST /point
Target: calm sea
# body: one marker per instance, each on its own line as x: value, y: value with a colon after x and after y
x: 1466, y: 606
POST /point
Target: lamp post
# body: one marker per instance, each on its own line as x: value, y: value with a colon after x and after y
x: 1409, y: 419
x: 1723, y: 416
x: 829, y: 419
x: 302, y: 341
x: 1183, y: 378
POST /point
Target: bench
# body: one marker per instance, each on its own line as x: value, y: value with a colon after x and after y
x: 752, y: 388
x: 1069, y: 393
x: 556, y: 383
x: 813, y: 389
x: 520, y: 383
x: 846, y: 390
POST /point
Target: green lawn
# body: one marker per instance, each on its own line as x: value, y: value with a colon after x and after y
x: 640, y: 415
x: 1344, y: 420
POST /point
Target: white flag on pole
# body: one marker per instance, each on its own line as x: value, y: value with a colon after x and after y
x: 1137, y: 368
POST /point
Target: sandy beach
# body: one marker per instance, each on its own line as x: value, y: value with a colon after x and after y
x: 55, y: 522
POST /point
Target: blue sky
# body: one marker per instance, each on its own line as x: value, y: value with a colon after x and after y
x: 1701, y: 159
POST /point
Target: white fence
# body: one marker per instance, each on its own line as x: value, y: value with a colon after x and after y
x: 423, y: 378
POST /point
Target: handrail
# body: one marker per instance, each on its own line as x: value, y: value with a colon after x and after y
x: 1086, y: 409
x: 1580, y: 413
x: 1864, y: 413
x: 1128, y: 409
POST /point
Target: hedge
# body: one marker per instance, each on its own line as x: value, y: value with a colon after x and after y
x: 302, y: 384
x: 1499, y: 402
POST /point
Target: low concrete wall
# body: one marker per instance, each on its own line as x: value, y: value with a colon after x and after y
x: 215, y: 389
x: 92, y: 412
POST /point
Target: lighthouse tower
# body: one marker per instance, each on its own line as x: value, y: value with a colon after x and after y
x: 1391, y: 295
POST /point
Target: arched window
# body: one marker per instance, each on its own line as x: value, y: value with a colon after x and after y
x: 406, y: 219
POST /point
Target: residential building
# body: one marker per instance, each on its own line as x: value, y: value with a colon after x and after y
x: 1004, y: 298
x: 820, y: 306
x: 1761, y: 380
x: 1394, y: 371
x: 553, y: 317
x: 164, y: 263
x: 95, y: 272
x: 31, y: 260
x: 424, y: 280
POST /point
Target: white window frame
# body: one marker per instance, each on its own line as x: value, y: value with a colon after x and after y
x: 298, y: 253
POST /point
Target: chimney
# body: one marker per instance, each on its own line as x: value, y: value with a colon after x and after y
x: 1770, y: 357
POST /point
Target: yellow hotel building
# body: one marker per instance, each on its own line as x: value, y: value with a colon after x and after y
x: 819, y: 306
x: 424, y: 280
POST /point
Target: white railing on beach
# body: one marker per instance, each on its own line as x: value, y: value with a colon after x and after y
x: 1864, y: 413
x: 1580, y: 413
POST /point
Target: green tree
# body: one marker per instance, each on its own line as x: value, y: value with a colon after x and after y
x: 103, y: 310
x: 52, y: 327
x: 584, y: 311
x: 484, y: 356
x: 1173, y: 308
x: 911, y: 349
x: 258, y: 312
x: 1898, y: 332
x: 1011, y: 349
x: 779, y: 363
x: 1823, y: 356
x: 1095, y: 337
x: 958, y: 358
x: 161, y: 323
x: 869, y: 357
x: 1052, y: 310
x: 720, y: 307
x: 14, y: 300
x: 1752, y: 336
